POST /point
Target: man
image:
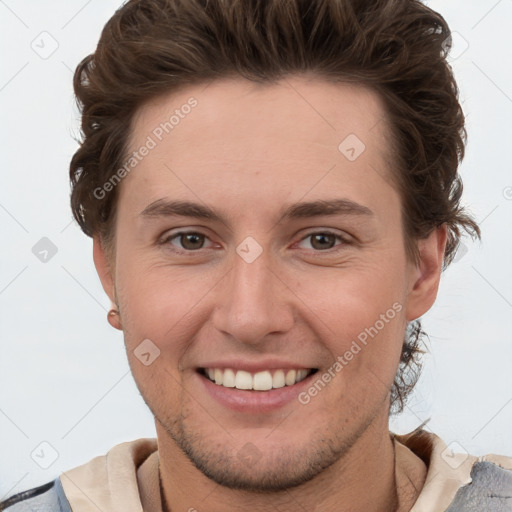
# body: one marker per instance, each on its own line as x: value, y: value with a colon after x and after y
x: 272, y: 191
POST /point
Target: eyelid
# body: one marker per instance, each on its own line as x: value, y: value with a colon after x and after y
x: 165, y: 239
x: 345, y: 239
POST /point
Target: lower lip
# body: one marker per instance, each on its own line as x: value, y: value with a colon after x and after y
x: 251, y: 401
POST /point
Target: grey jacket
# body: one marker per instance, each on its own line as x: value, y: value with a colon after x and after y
x: 45, y: 498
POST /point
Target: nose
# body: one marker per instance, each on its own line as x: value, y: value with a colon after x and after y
x: 254, y: 301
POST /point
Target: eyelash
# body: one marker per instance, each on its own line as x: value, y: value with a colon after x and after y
x: 344, y: 240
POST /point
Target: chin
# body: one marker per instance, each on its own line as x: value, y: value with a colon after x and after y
x: 250, y: 460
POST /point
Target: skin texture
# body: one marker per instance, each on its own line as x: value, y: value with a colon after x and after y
x: 247, y: 150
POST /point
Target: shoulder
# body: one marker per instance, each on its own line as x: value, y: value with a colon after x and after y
x: 490, y: 487
x: 107, y: 482
x: 45, y: 498
x: 457, y: 481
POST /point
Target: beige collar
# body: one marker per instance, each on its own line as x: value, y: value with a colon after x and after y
x: 148, y: 478
x: 109, y: 482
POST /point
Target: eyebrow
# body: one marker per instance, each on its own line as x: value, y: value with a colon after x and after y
x: 168, y: 208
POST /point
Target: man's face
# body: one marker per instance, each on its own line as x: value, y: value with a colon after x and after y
x: 259, y: 290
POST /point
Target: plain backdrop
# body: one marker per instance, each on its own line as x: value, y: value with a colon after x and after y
x: 66, y: 394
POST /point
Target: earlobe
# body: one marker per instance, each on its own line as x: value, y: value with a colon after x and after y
x: 427, y: 273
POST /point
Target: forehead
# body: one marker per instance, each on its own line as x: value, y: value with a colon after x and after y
x: 325, y: 111
x: 301, y: 135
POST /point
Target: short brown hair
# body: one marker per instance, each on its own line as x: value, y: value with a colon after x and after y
x: 396, y: 47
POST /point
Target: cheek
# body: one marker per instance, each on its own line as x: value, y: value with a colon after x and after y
x: 162, y: 303
x: 352, y: 298
x: 159, y: 325
x: 360, y: 316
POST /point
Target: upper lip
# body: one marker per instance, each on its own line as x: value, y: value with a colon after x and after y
x: 255, y: 366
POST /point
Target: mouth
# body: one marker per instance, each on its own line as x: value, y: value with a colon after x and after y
x: 266, y: 380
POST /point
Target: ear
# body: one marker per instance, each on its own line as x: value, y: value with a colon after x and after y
x: 426, y: 274
x: 103, y: 268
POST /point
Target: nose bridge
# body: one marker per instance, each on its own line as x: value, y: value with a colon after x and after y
x: 252, y: 301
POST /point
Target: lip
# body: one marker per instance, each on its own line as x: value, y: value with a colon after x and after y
x: 251, y: 401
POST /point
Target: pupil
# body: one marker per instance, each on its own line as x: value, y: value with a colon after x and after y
x: 321, y: 237
x: 187, y: 238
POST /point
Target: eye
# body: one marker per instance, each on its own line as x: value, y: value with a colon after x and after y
x: 324, y: 240
x: 189, y: 240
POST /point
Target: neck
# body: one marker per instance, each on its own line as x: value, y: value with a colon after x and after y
x: 368, y: 477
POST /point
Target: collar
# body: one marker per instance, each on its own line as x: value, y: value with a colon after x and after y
x: 126, y: 479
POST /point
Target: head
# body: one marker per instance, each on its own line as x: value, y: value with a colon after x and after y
x: 246, y: 109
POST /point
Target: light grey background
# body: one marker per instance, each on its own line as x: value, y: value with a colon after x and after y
x: 64, y: 377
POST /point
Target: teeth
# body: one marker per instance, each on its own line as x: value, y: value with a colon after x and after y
x: 278, y: 380
x: 243, y: 380
x: 290, y: 377
x: 260, y: 381
x: 228, y: 380
x: 301, y: 375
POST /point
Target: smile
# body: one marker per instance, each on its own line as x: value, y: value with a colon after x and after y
x: 259, y: 381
